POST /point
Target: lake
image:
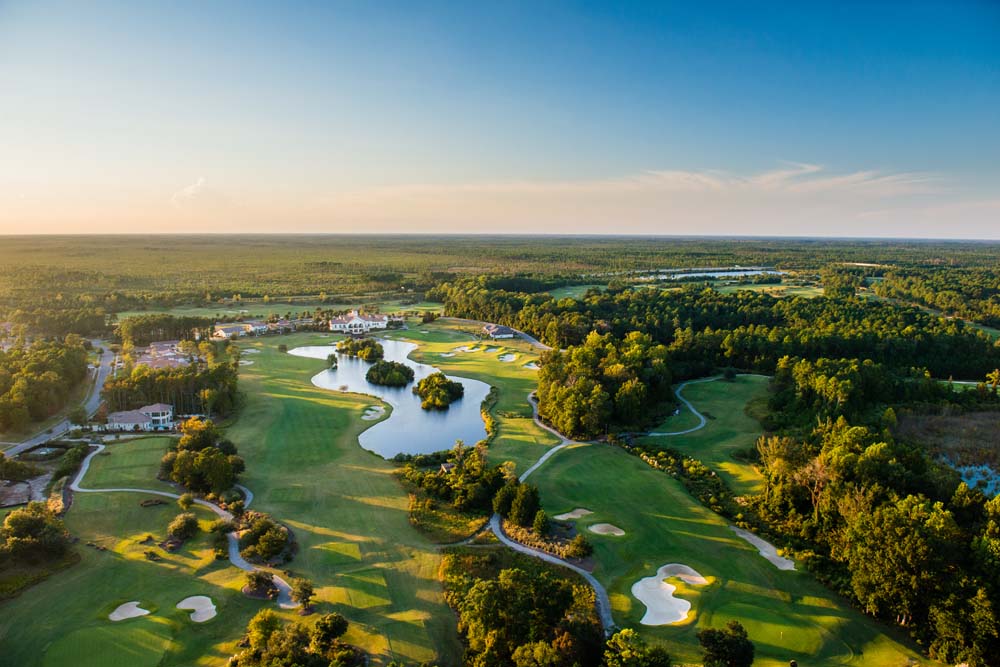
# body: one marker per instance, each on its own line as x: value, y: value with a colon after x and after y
x: 409, y: 429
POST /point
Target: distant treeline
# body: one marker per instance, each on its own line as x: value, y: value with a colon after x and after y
x: 973, y: 294
x: 704, y: 329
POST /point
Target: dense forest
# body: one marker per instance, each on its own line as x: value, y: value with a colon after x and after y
x: 704, y: 329
x: 969, y: 293
x: 36, y: 379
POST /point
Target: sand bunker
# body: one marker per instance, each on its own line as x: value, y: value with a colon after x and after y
x: 532, y: 365
x: 662, y: 608
x: 250, y: 351
x: 606, y: 529
x: 464, y: 348
x: 447, y: 354
x: 127, y: 610
x: 491, y: 349
x: 245, y: 362
x: 201, y: 607
x: 507, y: 357
x: 765, y: 548
x: 373, y: 412
x: 575, y: 514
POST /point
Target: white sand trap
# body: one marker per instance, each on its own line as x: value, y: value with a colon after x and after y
x: 606, y: 529
x: 201, y: 607
x: 464, y: 348
x: 491, y: 349
x: 246, y: 362
x: 126, y: 611
x: 507, y: 357
x: 373, y: 412
x: 447, y: 354
x: 251, y: 351
x: 662, y: 608
x: 532, y: 365
x: 575, y: 514
x: 766, y: 549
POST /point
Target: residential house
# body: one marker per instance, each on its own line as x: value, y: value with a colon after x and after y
x: 156, y: 417
x: 497, y: 331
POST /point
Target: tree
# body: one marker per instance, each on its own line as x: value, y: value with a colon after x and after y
x: 302, y: 592
x: 536, y: 654
x: 33, y: 532
x: 729, y: 647
x: 504, y: 498
x: 79, y: 416
x: 328, y: 629
x: 185, y: 501
x: 579, y: 547
x: 260, y: 628
x: 627, y: 649
x: 183, y: 527
x: 261, y: 583
x: 541, y: 523
x: 525, y: 505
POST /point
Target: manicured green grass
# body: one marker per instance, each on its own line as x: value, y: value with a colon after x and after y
x: 129, y: 464
x: 573, y: 291
x: 728, y: 428
x: 347, y: 510
x: 788, y: 614
x: 63, y: 620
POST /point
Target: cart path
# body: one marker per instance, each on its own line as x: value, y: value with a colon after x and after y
x: 284, y: 590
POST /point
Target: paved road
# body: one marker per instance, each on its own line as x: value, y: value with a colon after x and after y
x: 284, y: 590
x: 92, y: 402
x: 680, y: 397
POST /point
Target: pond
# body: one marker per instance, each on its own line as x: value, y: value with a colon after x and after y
x: 409, y: 429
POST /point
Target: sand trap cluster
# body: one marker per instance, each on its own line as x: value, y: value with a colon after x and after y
x: 662, y: 608
x: 201, y: 606
x: 507, y: 357
x: 606, y: 529
x: 373, y: 412
x: 532, y: 365
x: 246, y: 362
x: 126, y: 611
x: 575, y: 514
x: 765, y: 548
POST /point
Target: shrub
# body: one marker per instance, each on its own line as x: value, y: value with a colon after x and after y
x: 541, y: 523
x: 183, y: 527
x: 579, y: 547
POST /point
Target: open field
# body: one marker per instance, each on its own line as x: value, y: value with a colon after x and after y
x: 787, y: 614
x: 257, y: 308
x: 728, y: 428
x: 348, y: 512
x: 573, y: 291
x: 63, y: 622
x: 808, y: 291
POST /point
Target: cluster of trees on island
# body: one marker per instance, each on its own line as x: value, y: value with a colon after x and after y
x: 389, y: 374
x: 366, y: 349
x: 36, y: 379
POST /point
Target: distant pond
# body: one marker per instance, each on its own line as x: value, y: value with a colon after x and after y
x: 409, y: 429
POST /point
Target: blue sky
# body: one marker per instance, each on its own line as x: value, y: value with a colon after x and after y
x: 856, y: 118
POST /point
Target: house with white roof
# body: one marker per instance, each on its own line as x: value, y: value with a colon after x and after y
x: 356, y: 323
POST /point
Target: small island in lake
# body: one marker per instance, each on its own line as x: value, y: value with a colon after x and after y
x: 438, y: 392
x: 366, y: 349
x: 389, y: 374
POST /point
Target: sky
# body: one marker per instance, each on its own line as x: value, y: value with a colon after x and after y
x: 843, y: 118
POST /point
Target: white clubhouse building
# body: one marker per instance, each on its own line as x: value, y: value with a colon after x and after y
x: 358, y: 323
